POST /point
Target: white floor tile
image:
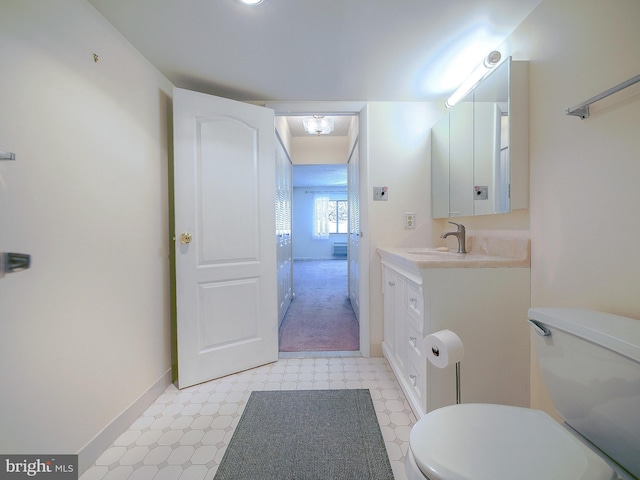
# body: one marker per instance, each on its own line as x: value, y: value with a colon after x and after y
x: 144, y: 473
x: 184, y: 434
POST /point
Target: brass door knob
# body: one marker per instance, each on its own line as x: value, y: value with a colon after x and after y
x: 186, y: 238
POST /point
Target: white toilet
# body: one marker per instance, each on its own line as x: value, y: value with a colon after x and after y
x: 590, y: 362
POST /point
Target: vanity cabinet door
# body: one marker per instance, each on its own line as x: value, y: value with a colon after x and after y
x: 440, y: 168
x: 399, y: 321
x: 394, y: 308
x: 461, y: 160
x: 388, y: 290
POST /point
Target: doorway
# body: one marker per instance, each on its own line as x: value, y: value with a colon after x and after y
x: 237, y: 341
x: 320, y: 317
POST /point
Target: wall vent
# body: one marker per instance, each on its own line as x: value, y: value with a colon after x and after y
x: 340, y: 249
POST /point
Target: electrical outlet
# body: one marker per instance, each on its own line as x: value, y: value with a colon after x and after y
x: 380, y: 193
x: 409, y: 220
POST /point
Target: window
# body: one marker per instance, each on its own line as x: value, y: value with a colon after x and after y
x: 330, y: 216
x: 338, y: 215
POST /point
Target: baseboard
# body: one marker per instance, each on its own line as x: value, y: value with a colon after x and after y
x: 320, y: 354
x: 88, y: 454
x: 332, y: 257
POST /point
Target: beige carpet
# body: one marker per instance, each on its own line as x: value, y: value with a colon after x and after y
x: 320, y: 318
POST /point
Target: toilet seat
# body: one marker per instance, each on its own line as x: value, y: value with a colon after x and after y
x: 496, y: 442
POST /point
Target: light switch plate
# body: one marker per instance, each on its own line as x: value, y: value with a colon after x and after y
x: 380, y: 193
x: 481, y: 192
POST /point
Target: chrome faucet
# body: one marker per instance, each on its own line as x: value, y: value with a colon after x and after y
x: 460, y: 235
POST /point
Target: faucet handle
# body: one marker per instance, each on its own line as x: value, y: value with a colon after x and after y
x: 459, y: 225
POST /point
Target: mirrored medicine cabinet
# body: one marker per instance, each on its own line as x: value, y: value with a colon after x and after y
x: 480, y: 148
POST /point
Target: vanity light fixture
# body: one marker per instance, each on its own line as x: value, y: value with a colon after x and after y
x: 318, y: 125
x: 478, y: 74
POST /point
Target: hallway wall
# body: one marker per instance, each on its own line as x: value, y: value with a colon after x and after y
x: 85, y: 332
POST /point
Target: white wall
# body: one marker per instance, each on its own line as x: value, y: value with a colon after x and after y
x: 584, y: 173
x: 319, y: 149
x: 86, y: 330
x: 399, y: 158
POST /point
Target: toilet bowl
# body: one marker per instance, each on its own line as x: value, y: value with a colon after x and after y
x: 590, y: 362
x: 495, y: 442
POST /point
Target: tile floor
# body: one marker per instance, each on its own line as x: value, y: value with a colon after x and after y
x: 184, y: 434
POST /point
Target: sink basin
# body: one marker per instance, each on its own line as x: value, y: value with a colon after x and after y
x: 429, y: 251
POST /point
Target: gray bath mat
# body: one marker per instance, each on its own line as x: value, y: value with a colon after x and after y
x: 307, y: 435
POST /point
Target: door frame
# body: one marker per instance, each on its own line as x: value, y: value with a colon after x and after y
x: 354, y: 109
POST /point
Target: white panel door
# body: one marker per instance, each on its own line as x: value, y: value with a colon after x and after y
x: 225, y: 262
x: 353, y: 194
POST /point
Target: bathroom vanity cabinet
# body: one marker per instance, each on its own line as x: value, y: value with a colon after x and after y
x: 486, y: 306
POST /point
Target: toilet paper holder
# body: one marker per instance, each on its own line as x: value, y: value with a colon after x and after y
x: 436, y: 351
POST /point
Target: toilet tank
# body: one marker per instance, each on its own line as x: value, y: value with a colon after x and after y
x: 590, y: 363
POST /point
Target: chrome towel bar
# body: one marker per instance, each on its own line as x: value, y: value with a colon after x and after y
x: 582, y: 110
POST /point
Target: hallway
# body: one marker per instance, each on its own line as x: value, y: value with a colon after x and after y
x: 320, y: 318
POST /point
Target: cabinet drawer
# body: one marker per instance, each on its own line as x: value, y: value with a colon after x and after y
x: 415, y: 305
x: 415, y: 344
x: 416, y: 376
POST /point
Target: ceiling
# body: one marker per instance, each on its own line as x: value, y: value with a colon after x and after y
x: 326, y: 50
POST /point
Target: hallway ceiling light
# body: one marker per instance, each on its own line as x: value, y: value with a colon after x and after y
x: 254, y: 3
x: 318, y: 125
x: 478, y: 74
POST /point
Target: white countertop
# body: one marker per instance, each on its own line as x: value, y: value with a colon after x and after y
x: 489, y: 252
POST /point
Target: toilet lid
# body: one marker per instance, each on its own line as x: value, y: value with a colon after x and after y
x: 495, y: 442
